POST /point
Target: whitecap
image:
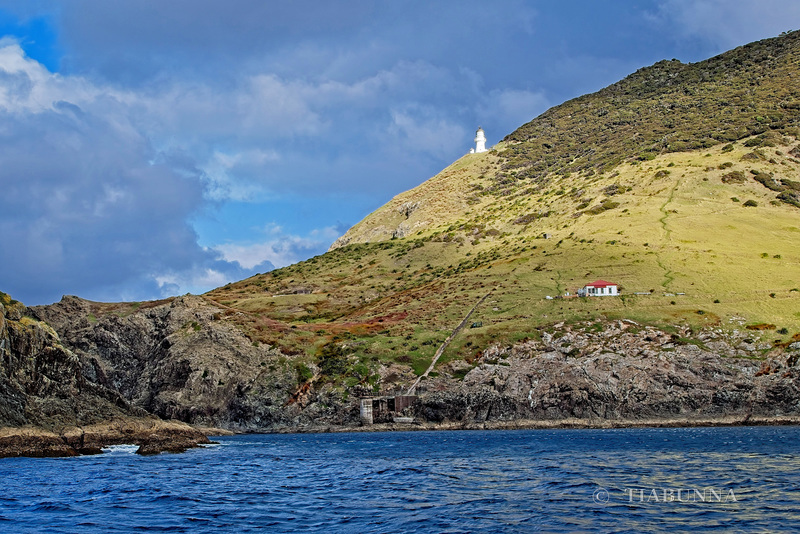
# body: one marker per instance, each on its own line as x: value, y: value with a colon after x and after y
x: 127, y: 448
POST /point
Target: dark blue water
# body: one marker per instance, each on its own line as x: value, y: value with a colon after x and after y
x: 636, y: 480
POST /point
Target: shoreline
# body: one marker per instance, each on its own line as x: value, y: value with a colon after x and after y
x: 155, y: 437
x: 550, y: 424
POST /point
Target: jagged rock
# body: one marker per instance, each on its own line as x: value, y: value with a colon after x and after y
x: 151, y: 435
x: 614, y: 374
x: 181, y: 360
x: 46, y: 401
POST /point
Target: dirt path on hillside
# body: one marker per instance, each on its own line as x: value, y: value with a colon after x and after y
x: 447, y: 341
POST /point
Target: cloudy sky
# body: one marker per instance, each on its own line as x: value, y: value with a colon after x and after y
x: 157, y: 147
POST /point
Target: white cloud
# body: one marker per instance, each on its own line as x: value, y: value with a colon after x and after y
x: 235, y: 176
x: 279, y: 249
x: 88, y: 208
x: 419, y: 130
x: 197, y: 281
x: 28, y: 87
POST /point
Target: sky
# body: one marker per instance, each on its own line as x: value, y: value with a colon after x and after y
x: 152, y: 148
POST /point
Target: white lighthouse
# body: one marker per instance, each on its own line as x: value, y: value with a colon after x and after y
x: 480, y: 141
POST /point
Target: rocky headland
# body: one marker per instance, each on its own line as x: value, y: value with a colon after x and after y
x: 50, y: 407
x: 181, y: 359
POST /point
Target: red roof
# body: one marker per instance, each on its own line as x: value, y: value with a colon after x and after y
x: 601, y: 283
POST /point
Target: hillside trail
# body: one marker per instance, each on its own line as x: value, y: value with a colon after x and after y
x: 447, y: 341
x: 668, y: 277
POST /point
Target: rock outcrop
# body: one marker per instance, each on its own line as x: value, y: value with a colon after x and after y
x: 622, y: 371
x: 151, y: 435
x: 49, y: 407
x: 41, y: 382
x: 182, y: 360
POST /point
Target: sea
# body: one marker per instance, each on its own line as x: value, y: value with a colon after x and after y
x: 732, y: 479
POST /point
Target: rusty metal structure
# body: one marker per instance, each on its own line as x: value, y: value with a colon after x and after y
x: 386, y: 409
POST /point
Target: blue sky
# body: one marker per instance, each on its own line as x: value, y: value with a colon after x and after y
x: 152, y: 148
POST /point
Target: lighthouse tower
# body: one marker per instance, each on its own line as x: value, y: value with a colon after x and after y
x: 480, y: 141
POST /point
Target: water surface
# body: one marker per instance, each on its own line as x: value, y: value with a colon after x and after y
x: 628, y: 480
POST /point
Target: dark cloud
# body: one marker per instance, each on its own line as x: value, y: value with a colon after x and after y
x: 143, y: 41
x: 84, y: 210
x: 136, y: 41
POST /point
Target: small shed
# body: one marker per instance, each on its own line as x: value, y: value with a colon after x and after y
x: 600, y: 288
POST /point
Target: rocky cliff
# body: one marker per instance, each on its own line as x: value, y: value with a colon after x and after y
x: 624, y: 371
x: 183, y: 359
x: 50, y: 407
x: 41, y: 382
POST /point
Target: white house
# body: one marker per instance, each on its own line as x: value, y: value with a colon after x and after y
x: 480, y: 142
x: 600, y: 288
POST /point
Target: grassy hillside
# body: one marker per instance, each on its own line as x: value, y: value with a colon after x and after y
x: 681, y: 183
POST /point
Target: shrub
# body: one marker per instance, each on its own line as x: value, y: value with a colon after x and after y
x: 332, y: 360
x: 752, y: 156
x: 790, y: 197
x: 790, y: 184
x: 734, y: 177
x: 604, y: 206
x: 530, y: 217
x: 750, y: 203
x: 304, y: 374
x: 768, y: 181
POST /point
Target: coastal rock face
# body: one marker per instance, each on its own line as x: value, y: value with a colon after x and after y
x: 49, y: 407
x: 182, y: 360
x: 622, y: 371
x: 41, y: 382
